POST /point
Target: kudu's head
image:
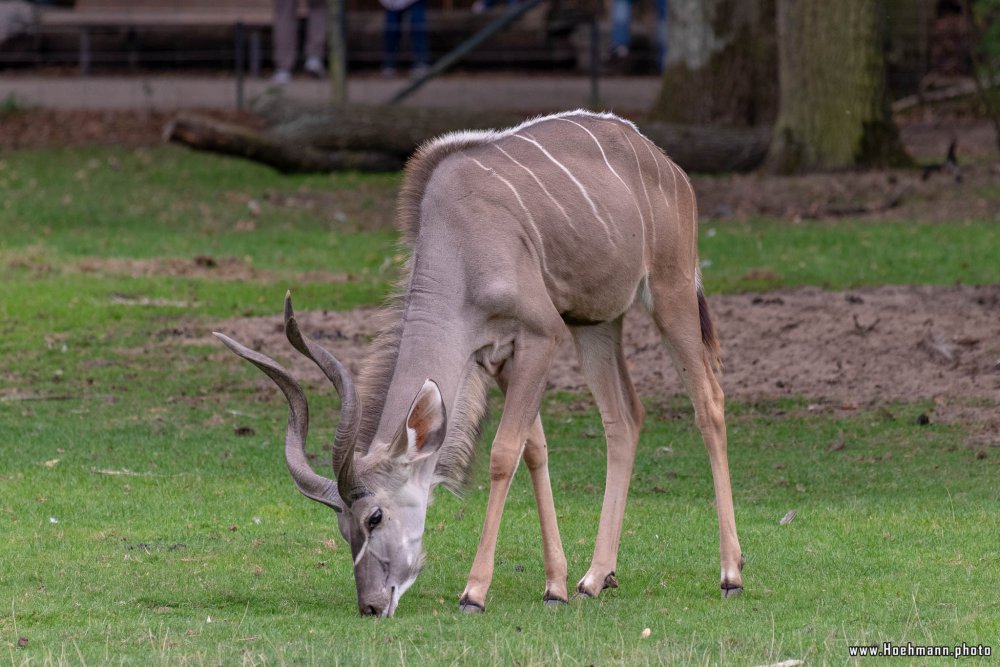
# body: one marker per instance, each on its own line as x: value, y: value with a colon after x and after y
x: 381, y: 496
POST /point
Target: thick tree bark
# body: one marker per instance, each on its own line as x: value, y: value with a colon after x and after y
x: 834, y: 110
x: 381, y: 138
x: 721, y: 63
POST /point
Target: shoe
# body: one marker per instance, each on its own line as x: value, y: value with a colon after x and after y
x: 388, y: 72
x: 419, y: 70
x: 281, y: 77
x: 315, y: 67
x: 479, y: 7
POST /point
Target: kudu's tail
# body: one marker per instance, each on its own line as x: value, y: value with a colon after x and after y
x: 708, y: 337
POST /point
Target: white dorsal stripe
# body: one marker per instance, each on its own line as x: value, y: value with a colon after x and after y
x: 540, y: 184
x: 577, y: 183
x: 531, y: 219
x: 487, y: 136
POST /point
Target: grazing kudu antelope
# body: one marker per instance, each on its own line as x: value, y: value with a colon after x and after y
x: 517, y: 236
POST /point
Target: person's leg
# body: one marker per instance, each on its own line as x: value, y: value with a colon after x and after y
x: 393, y: 25
x: 316, y: 37
x: 661, y: 33
x: 418, y: 33
x: 284, y: 37
x: 621, y: 17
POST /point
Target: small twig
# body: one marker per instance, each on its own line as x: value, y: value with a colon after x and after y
x: 124, y: 472
x: 865, y: 329
x: 30, y: 397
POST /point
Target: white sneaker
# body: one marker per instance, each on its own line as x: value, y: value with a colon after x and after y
x: 479, y: 7
x: 315, y: 67
x: 281, y: 77
x: 419, y: 70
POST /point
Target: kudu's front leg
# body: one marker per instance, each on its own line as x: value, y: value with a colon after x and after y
x: 536, y: 457
x: 526, y: 372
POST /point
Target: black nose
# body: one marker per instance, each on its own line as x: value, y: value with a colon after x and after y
x: 370, y: 610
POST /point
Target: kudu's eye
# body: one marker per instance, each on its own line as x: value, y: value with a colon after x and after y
x: 375, y: 519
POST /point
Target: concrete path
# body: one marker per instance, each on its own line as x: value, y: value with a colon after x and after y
x: 469, y: 91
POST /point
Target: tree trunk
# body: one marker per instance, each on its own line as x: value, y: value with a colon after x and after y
x: 834, y: 110
x: 721, y: 63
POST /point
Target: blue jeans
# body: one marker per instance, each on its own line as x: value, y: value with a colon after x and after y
x: 418, y: 33
x: 621, y: 17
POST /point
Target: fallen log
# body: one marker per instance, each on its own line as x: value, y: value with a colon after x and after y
x: 381, y: 138
x: 205, y: 133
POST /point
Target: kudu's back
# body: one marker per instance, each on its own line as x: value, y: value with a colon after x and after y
x: 580, y: 204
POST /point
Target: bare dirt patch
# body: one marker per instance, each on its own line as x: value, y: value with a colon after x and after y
x: 971, y: 193
x: 200, y: 266
x: 862, y: 348
x: 58, y: 128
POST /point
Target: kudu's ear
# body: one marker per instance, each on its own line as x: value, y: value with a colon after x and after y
x: 424, y: 429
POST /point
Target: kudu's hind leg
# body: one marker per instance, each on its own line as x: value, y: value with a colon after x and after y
x: 527, y: 370
x: 677, y: 316
x: 603, y: 362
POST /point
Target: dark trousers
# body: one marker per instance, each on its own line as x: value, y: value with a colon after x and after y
x: 417, y: 14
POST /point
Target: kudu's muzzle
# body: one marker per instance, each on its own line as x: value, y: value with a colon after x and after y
x: 374, y: 604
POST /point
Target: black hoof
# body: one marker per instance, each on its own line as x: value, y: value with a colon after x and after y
x: 466, y: 606
x: 551, y: 601
x: 732, y: 592
x: 610, y: 581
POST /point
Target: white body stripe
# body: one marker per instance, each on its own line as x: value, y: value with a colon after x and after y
x: 600, y: 148
x: 540, y: 184
x: 642, y: 220
x: 579, y: 185
x: 531, y: 219
x: 645, y: 192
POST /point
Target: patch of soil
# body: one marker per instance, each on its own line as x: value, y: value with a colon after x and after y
x: 900, y: 194
x: 200, y: 266
x: 58, y: 128
x: 841, y: 350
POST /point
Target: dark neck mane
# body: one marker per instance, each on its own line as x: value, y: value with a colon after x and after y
x: 465, y: 418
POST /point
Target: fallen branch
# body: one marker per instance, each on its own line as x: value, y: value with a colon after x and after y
x: 963, y: 88
x: 208, y: 134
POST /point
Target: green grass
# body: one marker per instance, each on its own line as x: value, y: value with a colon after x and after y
x: 769, y: 254
x: 176, y: 541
